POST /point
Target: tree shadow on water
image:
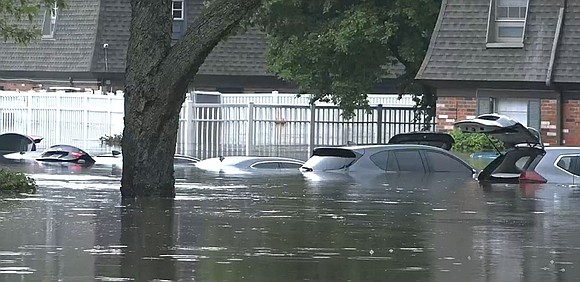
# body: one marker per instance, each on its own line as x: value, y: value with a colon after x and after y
x: 147, y: 231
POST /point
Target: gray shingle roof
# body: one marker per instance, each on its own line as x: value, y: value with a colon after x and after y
x: 567, y: 66
x: 458, y: 46
x: 70, y: 51
x: 242, y: 54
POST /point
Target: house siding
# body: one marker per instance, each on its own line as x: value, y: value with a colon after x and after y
x: 459, y: 104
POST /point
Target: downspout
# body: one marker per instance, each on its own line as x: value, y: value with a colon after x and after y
x: 549, y: 75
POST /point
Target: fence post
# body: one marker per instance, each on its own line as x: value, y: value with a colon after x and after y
x: 85, y: 120
x: 188, y: 148
x: 250, y: 130
x: 312, y: 137
x: 276, y: 97
x: 58, y: 119
x: 29, y: 114
x: 380, y: 124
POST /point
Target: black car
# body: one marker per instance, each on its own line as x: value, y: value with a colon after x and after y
x: 16, y: 142
x: 67, y: 154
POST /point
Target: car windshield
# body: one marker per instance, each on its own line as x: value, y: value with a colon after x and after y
x: 327, y: 163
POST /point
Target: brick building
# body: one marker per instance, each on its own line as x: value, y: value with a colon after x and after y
x: 87, y: 42
x: 515, y: 57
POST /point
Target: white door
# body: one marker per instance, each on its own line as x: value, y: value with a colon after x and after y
x: 515, y: 108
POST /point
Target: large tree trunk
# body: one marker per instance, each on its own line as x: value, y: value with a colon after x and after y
x: 157, y: 76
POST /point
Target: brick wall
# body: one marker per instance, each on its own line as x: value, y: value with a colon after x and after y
x: 571, y: 128
x: 452, y: 109
x: 549, y: 121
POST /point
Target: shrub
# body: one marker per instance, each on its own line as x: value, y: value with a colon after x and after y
x: 16, y: 182
x: 474, y: 142
x: 114, y: 140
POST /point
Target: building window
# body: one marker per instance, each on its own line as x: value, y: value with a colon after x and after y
x: 49, y: 22
x: 177, y: 9
x: 507, y: 22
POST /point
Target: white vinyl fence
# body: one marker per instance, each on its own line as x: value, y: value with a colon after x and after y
x: 240, y: 127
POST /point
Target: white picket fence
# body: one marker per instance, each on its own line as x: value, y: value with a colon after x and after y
x: 240, y: 127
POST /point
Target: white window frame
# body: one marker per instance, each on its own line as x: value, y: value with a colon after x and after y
x: 493, y: 40
x: 50, y: 14
x: 181, y: 11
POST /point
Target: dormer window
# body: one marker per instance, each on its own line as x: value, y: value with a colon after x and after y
x: 507, y: 23
x: 177, y: 9
x: 49, y: 22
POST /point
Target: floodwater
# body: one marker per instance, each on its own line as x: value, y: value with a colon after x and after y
x: 288, y: 228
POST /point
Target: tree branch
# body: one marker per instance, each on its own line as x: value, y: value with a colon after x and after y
x: 216, y: 22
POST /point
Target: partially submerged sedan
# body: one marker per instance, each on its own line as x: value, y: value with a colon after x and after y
x: 16, y: 142
x: 250, y: 164
x: 527, y: 160
x: 394, y: 158
x: 55, y: 154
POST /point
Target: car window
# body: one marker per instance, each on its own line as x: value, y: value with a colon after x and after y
x: 570, y: 164
x: 322, y: 163
x: 290, y: 165
x: 440, y: 162
x: 380, y: 159
x: 392, y: 164
x: 266, y: 165
x: 521, y: 163
x: 409, y: 161
x: 14, y: 143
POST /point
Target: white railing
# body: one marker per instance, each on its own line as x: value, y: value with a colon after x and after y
x: 389, y: 100
x: 205, y: 130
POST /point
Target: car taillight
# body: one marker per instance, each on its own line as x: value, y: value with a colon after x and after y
x: 76, y: 155
x: 531, y: 177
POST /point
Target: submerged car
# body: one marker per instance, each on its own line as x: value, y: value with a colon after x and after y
x: 16, y: 142
x: 406, y: 157
x: 116, y: 158
x: 526, y: 159
x: 54, y: 154
x: 431, y: 138
x: 249, y: 164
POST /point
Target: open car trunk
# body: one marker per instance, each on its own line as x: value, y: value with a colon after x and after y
x: 508, y: 167
x: 524, y: 146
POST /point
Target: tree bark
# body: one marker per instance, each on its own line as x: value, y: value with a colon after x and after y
x: 157, y: 76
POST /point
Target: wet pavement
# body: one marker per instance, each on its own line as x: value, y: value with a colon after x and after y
x: 327, y: 227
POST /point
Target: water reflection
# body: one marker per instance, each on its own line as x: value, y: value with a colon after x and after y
x: 334, y: 227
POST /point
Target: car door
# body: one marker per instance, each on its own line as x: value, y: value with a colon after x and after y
x: 406, y: 161
x: 570, y: 165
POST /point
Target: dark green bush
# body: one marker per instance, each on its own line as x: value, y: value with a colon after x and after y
x: 16, y: 182
x: 474, y: 142
x: 114, y: 140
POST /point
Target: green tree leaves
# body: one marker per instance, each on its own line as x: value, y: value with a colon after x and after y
x: 16, y: 17
x: 338, y: 49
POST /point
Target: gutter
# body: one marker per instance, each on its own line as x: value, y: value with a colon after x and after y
x: 549, y: 73
x: 549, y: 76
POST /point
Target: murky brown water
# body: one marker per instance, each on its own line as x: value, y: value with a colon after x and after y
x: 289, y: 228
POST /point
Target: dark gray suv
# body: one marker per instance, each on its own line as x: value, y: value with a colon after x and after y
x: 527, y: 160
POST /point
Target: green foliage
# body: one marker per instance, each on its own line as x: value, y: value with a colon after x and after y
x: 114, y: 140
x: 16, y: 182
x: 15, y: 14
x: 338, y: 49
x: 474, y: 142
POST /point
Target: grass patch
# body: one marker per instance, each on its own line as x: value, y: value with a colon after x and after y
x: 16, y: 182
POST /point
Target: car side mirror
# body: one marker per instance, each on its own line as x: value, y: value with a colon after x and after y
x: 116, y: 153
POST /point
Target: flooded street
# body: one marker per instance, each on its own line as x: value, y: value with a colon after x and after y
x: 288, y: 228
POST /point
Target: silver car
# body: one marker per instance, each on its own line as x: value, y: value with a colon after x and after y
x: 398, y: 158
x: 250, y: 164
x: 527, y: 160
